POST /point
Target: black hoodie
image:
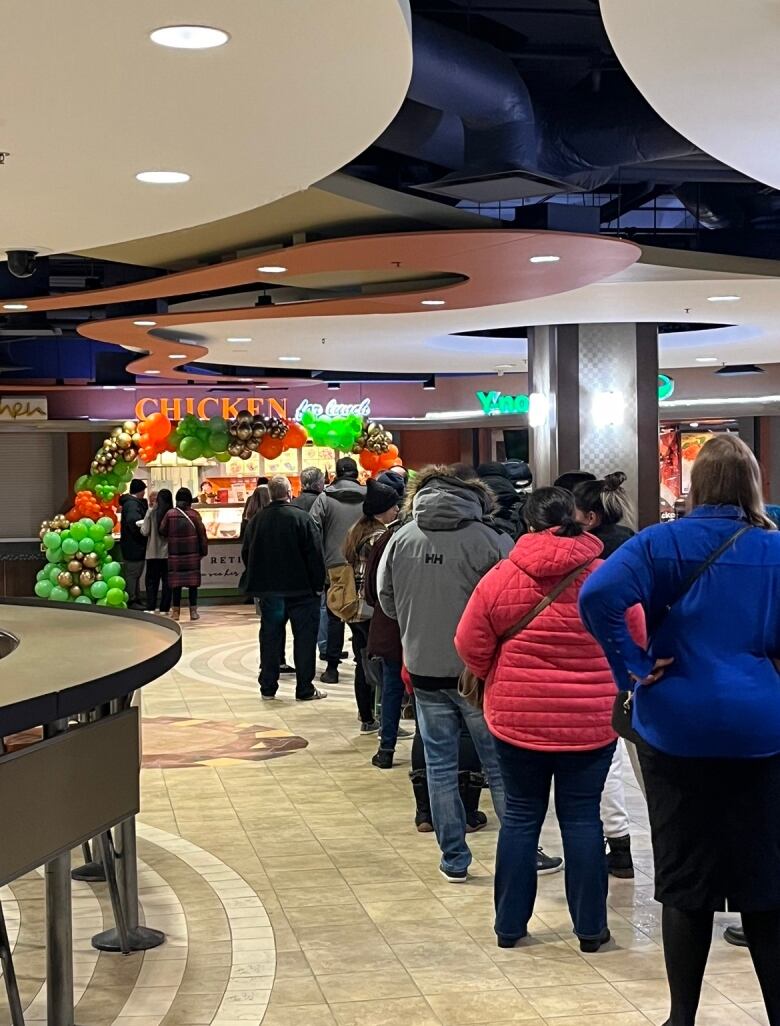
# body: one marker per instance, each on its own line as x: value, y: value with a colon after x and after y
x: 509, y: 504
x: 131, y: 540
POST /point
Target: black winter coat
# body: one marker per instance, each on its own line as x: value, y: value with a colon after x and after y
x: 306, y: 500
x: 282, y: 553
x: 132, y: 542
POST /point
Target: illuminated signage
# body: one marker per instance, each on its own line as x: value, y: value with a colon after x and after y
x: 665, y: 387
x: 14, y: 407
x: 227, y: 407
x: 497, y: 402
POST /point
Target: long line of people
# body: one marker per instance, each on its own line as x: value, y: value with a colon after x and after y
x: 549, y: 600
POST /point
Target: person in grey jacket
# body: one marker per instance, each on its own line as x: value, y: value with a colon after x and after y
x: 157, y: 551
x: 335, y: 511
x: 427, y: 574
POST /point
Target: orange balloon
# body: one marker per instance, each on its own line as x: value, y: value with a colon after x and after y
x: 369, y: 460
x: 271, y: 447
x: 296, y: 436
x: 392, y: 450
x: 398, y: 462
x: 157, y: 426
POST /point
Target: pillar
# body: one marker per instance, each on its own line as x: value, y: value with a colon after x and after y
x: 601, y: 384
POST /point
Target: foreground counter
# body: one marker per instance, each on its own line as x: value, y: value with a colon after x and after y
x: 67, y: 676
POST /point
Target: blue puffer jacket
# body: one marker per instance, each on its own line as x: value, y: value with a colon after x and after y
x: 721, y: 695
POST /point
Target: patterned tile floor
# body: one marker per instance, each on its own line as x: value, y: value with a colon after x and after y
x: 295, y: 890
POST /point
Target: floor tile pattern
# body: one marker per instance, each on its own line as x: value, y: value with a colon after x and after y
x: 295, y: 891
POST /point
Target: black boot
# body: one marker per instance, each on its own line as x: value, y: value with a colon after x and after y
x: 470, y: 786
x: 423, y: 819
x: 619, y: 861
x: 735, y: 935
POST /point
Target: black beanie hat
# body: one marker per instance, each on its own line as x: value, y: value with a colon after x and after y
x: 137, y: 486
x: 379, y: 498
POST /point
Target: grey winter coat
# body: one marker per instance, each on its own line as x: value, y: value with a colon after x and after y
x: 156, y: 545
x: 431, y: 566
x: 335, y: 511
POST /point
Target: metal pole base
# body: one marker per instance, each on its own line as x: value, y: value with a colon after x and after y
x: 139, y: 938
x: 91, y: 872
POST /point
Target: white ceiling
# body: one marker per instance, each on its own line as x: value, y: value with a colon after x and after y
x: 653, y: 290
x: 88, y: 100
x: 709, y: 68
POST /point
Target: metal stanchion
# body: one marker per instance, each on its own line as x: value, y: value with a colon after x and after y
x: 59, y: 928
x: 92, y: 871
x: 11, y: 986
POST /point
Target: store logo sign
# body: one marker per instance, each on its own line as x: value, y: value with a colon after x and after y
x: 24, y: 408
x: 665, y: 387
x: 334, y: 409
x: 497, y: 402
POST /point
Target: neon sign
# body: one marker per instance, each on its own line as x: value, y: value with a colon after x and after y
x: 224, y: 406
x: 665, y: 387
x: 497, y: 402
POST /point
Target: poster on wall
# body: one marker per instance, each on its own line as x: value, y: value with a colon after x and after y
x: 669, y: 468
x: 691, y: 444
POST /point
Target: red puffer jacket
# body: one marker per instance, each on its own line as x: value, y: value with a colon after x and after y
x: 550, y: 687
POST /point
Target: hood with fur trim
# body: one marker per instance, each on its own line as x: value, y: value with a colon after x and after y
x: 440, y: 502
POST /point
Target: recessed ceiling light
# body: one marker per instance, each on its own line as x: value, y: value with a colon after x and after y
x: 163, y: 177
x: 129, y: 388
x: 432, y: 302
x: 14, y: 306
x: 706, y: 359
x: 271, y: 269
x: 723, y: 299
x: 189, y: 37
x: 145, y: 324
x: 238, y: 338
x: 694, y: 423
x: 177, y: 356
x: 244, y: 379
x: 150, y: 372
x: 290, y: 359
x: 109, y: 388
x: 549, y: 259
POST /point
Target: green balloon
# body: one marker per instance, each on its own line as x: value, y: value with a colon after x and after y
x: 58, y: 594
x: 54, y: 573
x: 98, y: 590
x: 43, y: 574
x: 86, y: 544
x: 53, y: 555
x: 219, y: 441
x: 217, y: 425
x: 51, y: 540
x: 84, y: 600
x: 43, y: 589
x: 64, y: 535
x: 108, y: 543
x: 87, y: 522
x: 82, y: 483
x: 111, y: 569
x: 70, y: 546
x: 114, y: 597
x: 100, y: 548
x: 97, y: 532
x: 102, y: 602
x: 222, y: 457
x: 117, y: 582
x: 78, y: 531
x: 190, y: 448
x: 107, y: 524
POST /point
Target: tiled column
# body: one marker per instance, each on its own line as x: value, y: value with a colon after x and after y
x: 601, y: 382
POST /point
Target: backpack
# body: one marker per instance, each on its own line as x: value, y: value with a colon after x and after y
x: 343, y: 599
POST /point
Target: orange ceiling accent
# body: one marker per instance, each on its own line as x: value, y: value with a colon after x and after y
x: 494, y: 266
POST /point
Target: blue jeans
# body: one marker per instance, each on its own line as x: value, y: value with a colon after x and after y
x: 579, y: 780
x: 392, y: 697
x: 439, y: 717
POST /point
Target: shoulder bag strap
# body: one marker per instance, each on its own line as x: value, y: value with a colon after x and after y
x: 548, y: 600
x: 697, y: 573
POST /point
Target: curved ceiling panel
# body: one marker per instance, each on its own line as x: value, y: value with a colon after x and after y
x: 91, y: 101
x: 710, y: 70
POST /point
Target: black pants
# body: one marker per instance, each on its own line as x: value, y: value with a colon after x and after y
x: 364, y: 693
x: 303, y: 612
x: 335, y: 644
x: 176, y: 597
x: 157, y: 576
x: 134, y: 569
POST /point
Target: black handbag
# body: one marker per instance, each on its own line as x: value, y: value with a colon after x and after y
x: 623, y: 708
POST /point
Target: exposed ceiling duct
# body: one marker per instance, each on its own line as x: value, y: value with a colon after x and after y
x: 469, y: 109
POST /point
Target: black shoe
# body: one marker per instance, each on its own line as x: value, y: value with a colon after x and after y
x: 313, y: 697
x: 505, y: 941
x: 591, y: 944
x: 735, y: 935
x: 267, y: 698
x: 546, y: 865
x: 476, y: 821
x: 619, y: 861
x: 370, y: 728
x: 329, y: 676
x: 286, y: 668
x: 453, y: 876
x: 423, y: 822
x: 383, y: 758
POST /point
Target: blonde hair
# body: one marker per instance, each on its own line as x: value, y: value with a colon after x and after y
x: 726, y: 473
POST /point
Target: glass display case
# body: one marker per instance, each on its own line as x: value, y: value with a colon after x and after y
x: 223, y: 521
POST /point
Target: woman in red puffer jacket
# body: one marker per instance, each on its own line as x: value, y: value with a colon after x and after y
x: 548, y: 701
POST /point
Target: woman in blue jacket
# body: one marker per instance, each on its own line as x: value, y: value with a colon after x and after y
x: 707, y: 709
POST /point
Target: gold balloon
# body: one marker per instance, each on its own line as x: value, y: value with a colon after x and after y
x: 136, y: 438
x: 91, y: 560
x: 75, y: 591
x: 124, y: 441
x: 86, y: 577
x: 129, y: 455
x: 130, y: 426
x: 64, y: 579
x: 74, y: 566
x: 117, y: 431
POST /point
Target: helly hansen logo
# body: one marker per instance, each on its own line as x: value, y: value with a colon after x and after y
x: 431, y: 557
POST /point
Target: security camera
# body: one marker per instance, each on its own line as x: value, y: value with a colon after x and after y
x: 21, y: 262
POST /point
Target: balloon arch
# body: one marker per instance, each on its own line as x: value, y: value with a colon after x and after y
x: 78, y: 544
